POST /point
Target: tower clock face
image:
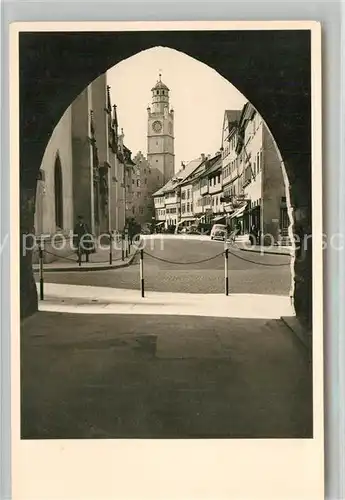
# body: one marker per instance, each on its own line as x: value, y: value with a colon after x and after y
x: 157, y: 126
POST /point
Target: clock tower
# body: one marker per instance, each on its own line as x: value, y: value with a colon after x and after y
x: 160, y: 133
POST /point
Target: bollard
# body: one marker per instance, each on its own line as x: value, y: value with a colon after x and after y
x: 226, y: 273
x: 126, y: 243
x: 142, y: 273
x: 41, y: 269
x: 123, y: 247
x: 79, y: 256
x: 110, y: 247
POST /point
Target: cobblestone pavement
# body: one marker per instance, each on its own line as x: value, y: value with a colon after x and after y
x: 162, y: 377
x: 266, y: 274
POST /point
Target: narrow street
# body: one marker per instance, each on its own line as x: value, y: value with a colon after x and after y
x: 248, y: 272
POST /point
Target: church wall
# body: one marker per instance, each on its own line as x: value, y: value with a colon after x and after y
x: 57, y: 240
x: 117, y: 194
x: 59, y: 144
x: 82, y: 158
x: 100, y: 119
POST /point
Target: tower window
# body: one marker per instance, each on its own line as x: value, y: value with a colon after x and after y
x: 163, y: 92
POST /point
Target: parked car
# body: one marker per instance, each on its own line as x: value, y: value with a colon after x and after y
x: 219, y: 232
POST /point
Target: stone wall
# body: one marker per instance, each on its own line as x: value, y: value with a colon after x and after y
x: 82, y: 161
x: 59, y: 146
x: 273, y: 188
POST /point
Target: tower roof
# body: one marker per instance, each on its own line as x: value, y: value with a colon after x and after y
x: 160, y: 84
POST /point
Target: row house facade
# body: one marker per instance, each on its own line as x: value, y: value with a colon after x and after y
x: 253, y: 185
x: 241, y: 185
x: 173, y: 202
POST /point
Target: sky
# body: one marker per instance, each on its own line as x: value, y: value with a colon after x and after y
x: 198, y: 94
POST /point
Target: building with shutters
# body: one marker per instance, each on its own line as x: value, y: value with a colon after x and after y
x: 252, y: 178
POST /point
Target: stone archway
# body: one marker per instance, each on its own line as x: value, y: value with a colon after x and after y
x: 271, y: 68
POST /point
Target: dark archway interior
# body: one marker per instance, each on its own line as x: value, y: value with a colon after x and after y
x: 271, y: 68
x: 58, y: 193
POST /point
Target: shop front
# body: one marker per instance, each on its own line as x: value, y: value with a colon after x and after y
x: 240, y: 220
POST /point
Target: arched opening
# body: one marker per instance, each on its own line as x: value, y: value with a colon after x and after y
x: 278, y: 109
x: 277, y: 58
x: 58, y: 193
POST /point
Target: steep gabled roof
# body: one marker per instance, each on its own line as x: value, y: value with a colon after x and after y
x: 215, y: 164
x: 179, y: 177
x: 233, y: 115
x: 247, y: 113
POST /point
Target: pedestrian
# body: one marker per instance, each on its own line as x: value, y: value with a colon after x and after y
x: 253, y: 234
x: 83, y: 239
x: 238, y: 228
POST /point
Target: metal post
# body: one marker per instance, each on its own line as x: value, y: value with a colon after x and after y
x: 226, y: 273
x: 123, y: 246
x: 41, y: 269
x: 79, y: 255
x: 126, y: 242
x: 110, y: 247
x: 142, y: 273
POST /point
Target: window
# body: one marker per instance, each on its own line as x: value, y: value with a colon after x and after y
x: 145, y: 181
x: 183, y: 208
x: 261, y: 160
x: 141, y: 210
x: 138, y: 182
x: 183, y: 195
x: 133, y: 181
x: 187, y: 207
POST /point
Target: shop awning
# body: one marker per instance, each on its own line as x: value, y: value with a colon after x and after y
x: 219, y: 217
x: 187, y: 220
x: 239, y: 212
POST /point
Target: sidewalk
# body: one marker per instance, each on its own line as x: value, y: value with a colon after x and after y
x: 125, y: 376
x: 101, y: 300
x: 272, y: 250
x: 98, y: 261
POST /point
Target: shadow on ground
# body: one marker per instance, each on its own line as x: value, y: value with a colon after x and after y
x: 128, y: 376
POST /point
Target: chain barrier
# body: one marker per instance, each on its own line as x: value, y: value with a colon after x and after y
x: 259, y: 263
x: 76, y: 260
x: 60, y: 256
x: 183, y: 263
x: 214, y: 257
